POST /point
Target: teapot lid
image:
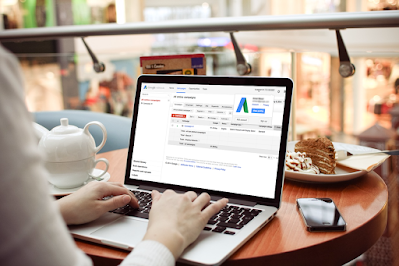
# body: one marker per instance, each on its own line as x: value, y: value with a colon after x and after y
x: 65, y: 128
x: 67, y: 143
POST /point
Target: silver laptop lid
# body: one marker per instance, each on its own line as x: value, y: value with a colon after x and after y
x: 223, y: 135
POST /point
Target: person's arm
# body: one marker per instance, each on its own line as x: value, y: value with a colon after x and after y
x: 32, y: 231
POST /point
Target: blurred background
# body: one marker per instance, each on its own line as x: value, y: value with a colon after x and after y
x: 58, y: 73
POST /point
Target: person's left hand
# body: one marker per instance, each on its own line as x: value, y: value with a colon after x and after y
x: 87, y: 204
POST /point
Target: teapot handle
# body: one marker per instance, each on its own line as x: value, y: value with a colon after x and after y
x: 86, y: 130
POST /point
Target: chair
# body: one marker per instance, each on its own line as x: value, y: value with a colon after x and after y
x: 118, y: 127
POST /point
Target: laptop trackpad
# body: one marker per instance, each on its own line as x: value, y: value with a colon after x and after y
x: 126, y: 230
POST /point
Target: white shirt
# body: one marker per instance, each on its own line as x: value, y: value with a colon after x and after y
x: 32, y: 231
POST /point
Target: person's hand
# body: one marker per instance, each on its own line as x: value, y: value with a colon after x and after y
x: 176, y: 220
x: 87, y: 204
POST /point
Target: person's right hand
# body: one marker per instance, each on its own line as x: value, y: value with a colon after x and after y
x: 176, y: 220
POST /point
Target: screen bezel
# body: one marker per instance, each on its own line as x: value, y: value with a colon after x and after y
x: 218, y: 80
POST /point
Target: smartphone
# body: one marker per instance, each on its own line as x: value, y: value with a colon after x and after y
x: 321, y: 214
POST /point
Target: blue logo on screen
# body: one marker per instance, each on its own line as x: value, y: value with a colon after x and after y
x: 242, y: 105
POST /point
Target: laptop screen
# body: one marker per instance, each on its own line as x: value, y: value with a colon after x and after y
x: 210, y: 134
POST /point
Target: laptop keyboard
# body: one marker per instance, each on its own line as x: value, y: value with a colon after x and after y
x: 227, y: 220
x: 144, y: 199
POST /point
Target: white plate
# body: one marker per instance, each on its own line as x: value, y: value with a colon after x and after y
x: 55, y: 191
x: 341, y: 173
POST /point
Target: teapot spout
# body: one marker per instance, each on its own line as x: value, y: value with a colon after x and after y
x: 39, y: 131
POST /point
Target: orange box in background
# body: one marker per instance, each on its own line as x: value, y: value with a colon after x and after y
x: 188, y: 64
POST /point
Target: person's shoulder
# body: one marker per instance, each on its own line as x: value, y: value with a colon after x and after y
x: 3, y: 51
x: 6, y: 56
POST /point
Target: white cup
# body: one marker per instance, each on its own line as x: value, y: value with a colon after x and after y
x: 74, y: 174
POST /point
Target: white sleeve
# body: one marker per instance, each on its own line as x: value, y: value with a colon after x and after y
x: 149, y: 253
x: 32, y: 231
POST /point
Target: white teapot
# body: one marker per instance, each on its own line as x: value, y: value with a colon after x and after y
x: 70, y: 153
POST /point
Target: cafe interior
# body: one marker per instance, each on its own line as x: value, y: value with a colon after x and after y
x: 86, y: 56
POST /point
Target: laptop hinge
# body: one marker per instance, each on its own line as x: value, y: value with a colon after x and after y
x: 213, y: 197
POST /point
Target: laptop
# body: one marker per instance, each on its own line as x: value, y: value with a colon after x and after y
x: 226, y: 136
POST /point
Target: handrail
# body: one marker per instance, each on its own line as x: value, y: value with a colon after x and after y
x: 374, y: 19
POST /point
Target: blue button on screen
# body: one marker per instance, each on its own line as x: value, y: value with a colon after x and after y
x: 258, y: 111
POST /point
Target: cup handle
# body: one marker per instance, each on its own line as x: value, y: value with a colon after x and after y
x: 98, y: 178
x: 86, y: 130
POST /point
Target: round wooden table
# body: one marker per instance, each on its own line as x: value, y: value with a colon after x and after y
x: 285, y: 241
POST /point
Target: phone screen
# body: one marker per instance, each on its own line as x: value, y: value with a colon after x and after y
x: 321, y: 214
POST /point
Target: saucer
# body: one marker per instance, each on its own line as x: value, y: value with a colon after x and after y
x: 55, y: 191
x: 342, y: 172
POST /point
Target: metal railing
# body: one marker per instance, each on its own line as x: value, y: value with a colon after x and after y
x: 375, y: 19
